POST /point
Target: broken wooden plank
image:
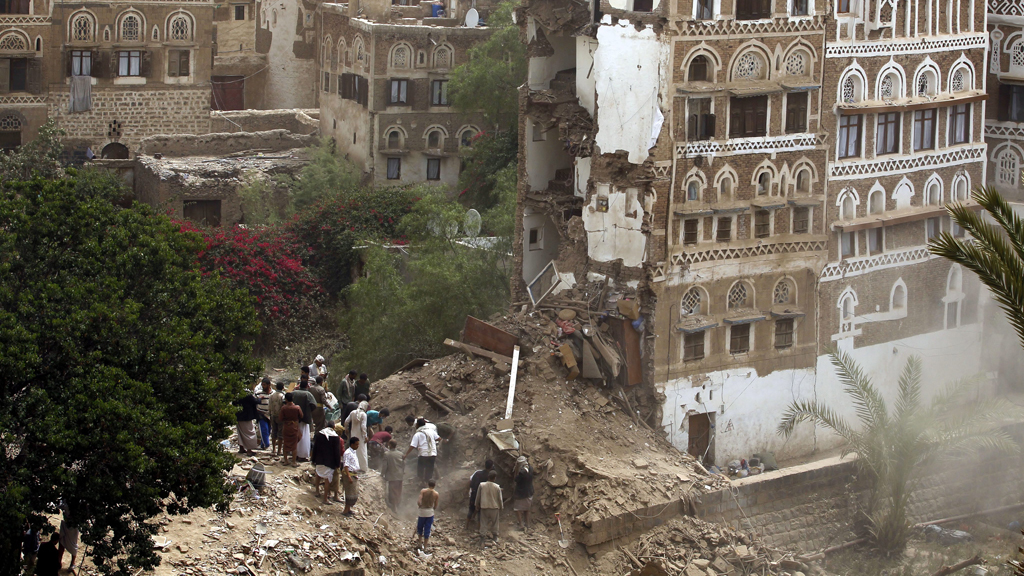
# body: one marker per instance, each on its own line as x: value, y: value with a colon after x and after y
x: 470, y: 349
x: 512, y: 383
x: 479, y: 333
x: 433, y: 398
x: 590, y: 369
x: 569, y: 359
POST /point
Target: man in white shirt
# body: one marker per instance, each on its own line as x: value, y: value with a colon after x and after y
x: 318, y: 368
x: 424, y: 442
x: 349, y: 475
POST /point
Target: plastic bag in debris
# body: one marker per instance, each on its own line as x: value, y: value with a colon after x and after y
x: 946, y: 536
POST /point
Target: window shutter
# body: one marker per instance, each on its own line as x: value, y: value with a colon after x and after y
x: 735, y: 119
x: 363, y: 90
x: 691, y: 129
x: 709, y: 126
x: 5, y: 75
x: 146, y: 64
x: 766, y: 8
x: 34, y: 78
x: 760, y: 110
x: 183, y: 63
x: 67, y: 63
x: 801, y: 116
x: 1005, y: 98
x: 97, y: 66
x: 749, y: 119
x: 113, y: 63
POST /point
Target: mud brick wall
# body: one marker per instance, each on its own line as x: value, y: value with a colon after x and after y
x: 814, y: 506
x: 141, y: 114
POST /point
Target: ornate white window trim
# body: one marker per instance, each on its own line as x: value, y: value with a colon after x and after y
x: 23, y: 101
x: 726, y: 253
x: 1000, y: 130
x: 967, y: 41
x: 1006, y: 7
x: 16, y: 19
x: 905, y: 164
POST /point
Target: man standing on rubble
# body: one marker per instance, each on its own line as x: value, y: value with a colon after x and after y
x: 346, y: 391
x: 523, y: 494
x: 489, y: 502
x: 276, y: 402
x: 263, y: 412
x: 356, y: 424
x: 393, y: 472
x: 327, y: 459
x: 363, y: 386
x: 424, y: 442
x: 478, y: 478
x: 349, y: 476
x: 427, y: 505
x: 320, y: 396
x: 304, y: 400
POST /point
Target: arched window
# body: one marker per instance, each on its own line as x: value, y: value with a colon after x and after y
x: 82, y: 28
x: 847, y: 209
x: 725, y: 189
x: 764, y: 183
x: 14, y: 42
x: 434, y: 139
x: 954, y: 296
x: 394, y: 140
x: 926, y: 84
x: 932, y: 194
x: 442, y: 57
x: 39, y: 44
x: 131, y: 28
x: 803, y: 182
x: 887, y: 89
x: 960, y: 190
x: 899, y: 297
x: 1017, y: 57
x: 847, y: 308
x: 10, y: 123
x: 749, y: 66
x: 740, y: 296
x: 852, y: 89
x: 156, y: 34
x: 1007, y: 168
x: 699, y: 69
x: 784, y: 292
x: 400, y: 57
x: 693, y: 302
x: 954, y: 283
x: 796, y: 64
x: 957, y: 83
x: 692, y: 191
x: 876, y: 202
x: 180, y: 28
x: 466, y: 137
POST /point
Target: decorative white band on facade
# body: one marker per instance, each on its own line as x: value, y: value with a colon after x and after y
x: 1006, y: 7
x: 23, y: 19
x: 766, y: 249
x: 1015, y: 132
x: 732, y: 27
x: 905, y: 164
x: 22, y: 101
x: 896, y: 48
x: 863, y: 265
x: 768, y: 144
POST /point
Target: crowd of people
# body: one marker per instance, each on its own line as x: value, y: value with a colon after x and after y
x: 334, y: 430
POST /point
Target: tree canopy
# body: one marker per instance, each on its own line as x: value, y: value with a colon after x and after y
x: 120, y: 360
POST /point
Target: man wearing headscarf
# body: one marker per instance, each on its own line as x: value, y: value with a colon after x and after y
x: 523, y: 493
x: 318, y: 368
x: 424, y: 442
x: 327, y: 458
x: 356, y: 424
x: 247, y: 441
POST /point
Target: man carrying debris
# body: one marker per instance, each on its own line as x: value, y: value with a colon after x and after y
x: 523, y: 494
x: 378, y: 445
x: 393, y: 472
x: 427, y: 505
x: 424, y: 442
x: 276, y: 401
x: 304, y: 400
x: 291, y: 419
x: 326, y: 458
x: 489, y: 502
x: 375, y: 419
x: 349, y: 475
x: 478, y: 477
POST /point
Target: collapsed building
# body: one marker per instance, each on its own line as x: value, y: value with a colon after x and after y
x: 763, y: 176
x: 383, y: 84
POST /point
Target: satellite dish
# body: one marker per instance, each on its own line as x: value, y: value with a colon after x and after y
x: 472, y: 223
x: 472, y: 18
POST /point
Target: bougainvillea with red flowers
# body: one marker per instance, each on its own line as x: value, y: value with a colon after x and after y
x: 269, y: 262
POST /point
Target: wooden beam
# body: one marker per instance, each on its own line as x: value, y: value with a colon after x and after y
x: 478, y: 351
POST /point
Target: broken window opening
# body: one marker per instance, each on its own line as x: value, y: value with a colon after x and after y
x: 536, y: 240
x: 764, y: 183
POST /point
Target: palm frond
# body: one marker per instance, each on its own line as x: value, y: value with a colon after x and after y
x: 1004, y: 215
x: 820, y: 414
x: 867, y: 402
x: 909, y: 399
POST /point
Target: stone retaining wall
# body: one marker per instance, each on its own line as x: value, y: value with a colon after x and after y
x: 220, y: 144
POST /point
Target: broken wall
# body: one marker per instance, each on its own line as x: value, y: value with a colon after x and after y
x: 295, y: 121
x: 220, y: 144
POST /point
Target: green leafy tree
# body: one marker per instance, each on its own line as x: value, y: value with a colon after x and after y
x: 489, y: 82
x: 995, y: 252
x: 39, y: 158
x: 484, y: 161
x: 893, y: 443
x: 408, y: 301
x: 120, y: 361
x: 325, y: 176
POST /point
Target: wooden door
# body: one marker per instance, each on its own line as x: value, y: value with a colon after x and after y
x: 228, y: 92
x: 700, y: 437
